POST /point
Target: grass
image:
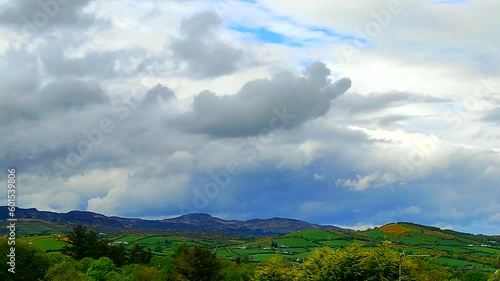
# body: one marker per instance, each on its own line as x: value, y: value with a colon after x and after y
x: 454, y: 250
x: 336, y: 243
x: 314, y: 234
x: 409, y: 238
x: 49, y: 244
x: 295, y: 242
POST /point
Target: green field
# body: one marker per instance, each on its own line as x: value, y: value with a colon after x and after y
x: 314, y: 234
x: 49, y: 244
x: 453, y: 251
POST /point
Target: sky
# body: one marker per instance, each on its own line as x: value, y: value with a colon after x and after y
x: 326, y: 111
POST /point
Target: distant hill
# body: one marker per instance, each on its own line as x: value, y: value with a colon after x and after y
x: 33, y: 221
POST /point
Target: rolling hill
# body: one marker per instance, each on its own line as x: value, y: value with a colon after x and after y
x: 251, y: 240
x: 52, y: 222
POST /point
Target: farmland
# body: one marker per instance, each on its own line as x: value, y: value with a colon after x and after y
x: 453, y: 250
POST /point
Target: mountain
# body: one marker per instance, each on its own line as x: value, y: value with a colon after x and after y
x: 44, y: 221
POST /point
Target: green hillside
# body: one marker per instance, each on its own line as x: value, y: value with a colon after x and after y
x: 451, y: 248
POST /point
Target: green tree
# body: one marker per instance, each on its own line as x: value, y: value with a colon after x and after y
x: 30, y: 262
x: 233, y: 271
x: 349, y: 263
x: 383, y: 265
x: 197, y: 264
x: 164, y: 264
x: 431, y: 270
x: 84, y: 264
x: 66, y: 270
x: 84, y: 242
x: 113, y: 276
x: 178, y: 249
x: 100, y: 268
x: 138, y: 255
x: 58, y: 257
x: 475, y: 275
x: 145, y: 273
x: 118, y: 254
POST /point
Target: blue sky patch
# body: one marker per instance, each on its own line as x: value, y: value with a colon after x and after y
x: 265, y: 35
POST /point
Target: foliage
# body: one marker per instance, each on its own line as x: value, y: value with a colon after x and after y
x: 495, y: 276
x: 197, y: 264
x: 66, y: 270
x: 475, y: 275
x: 84, y: 242
x: 275, y: 269
x: 30, y: 263
x: 84, y: 264
x: 99, y: 268
x: 138, y: 255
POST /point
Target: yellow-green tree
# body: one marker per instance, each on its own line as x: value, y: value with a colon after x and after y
x: 275, y: 269
x: 495, y: 276
x: 319, y: 266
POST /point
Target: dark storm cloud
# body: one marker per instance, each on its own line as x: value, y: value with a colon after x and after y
x: 198, y: 47
x: 356, y: 103
x: 100, y: 64
x: 158, y: 94
x: 259, y: 101
x: 71, y: 93
x: 36, y: 16
x: 24, y: 98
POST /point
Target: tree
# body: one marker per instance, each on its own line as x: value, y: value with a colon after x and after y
x: 145, y: 273
x: 275, y: 269
x: 138, y: 255
x: 495, y: 276
x: 84, y: 264
x: 383, y: 265
x: 475, y: 275
x: 164, y: 264
x: 30, y: 264
x: 197, y: 264
x: 431, y: 270
x: 349, y: 263
x: 118, y: 254
x: 66, y: 270
x: 84, y: 242
x: 58, y: 257
x: 100, y: 267
x: 178, y: 249
x: 320, y: 265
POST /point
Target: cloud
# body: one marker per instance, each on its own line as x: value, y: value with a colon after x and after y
x: 34, y: 17
x: 259, y: 102
x: 68, y: 94
x: 493, y: 116
x: 96, y: 64
x: 200, y: 53
x: 355, y: 103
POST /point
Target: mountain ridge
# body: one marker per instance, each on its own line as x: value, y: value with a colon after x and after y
x: 189, y: 222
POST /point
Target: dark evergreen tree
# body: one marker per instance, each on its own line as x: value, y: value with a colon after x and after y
x: 197, y: 264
